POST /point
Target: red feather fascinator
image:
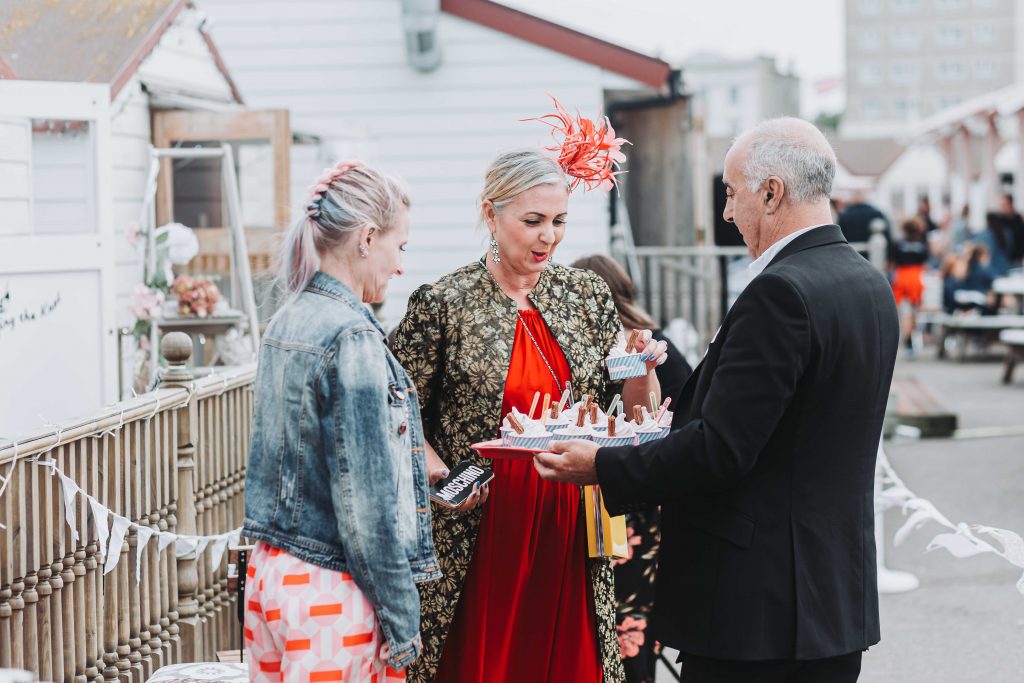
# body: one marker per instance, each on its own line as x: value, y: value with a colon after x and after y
x: 587, y: 151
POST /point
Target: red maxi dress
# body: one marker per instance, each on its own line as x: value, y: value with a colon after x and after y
x: 526, y: 612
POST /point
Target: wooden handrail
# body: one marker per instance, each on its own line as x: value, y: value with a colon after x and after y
x: 173, y: 460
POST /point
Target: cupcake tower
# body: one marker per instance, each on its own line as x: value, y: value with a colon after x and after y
x: 584, y: 420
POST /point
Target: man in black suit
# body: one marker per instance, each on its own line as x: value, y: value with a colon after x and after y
x: 767, y: 569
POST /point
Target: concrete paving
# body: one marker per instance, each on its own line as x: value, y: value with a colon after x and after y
x: 966, y: 620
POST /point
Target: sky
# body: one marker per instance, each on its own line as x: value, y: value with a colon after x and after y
x: 804, y: 34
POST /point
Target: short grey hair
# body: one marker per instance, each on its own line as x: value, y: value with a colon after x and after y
x: 778, y: 148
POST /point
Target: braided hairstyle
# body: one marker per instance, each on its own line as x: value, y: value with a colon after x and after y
x: 342, y: 201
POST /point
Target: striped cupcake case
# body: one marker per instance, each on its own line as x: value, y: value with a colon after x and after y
x: 306, y: 623
x: 653, y: 435
x: 606, y: 440
x: 626, y: 367
x: 537, y: 443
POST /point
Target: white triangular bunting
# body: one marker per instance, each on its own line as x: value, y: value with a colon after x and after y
x: 70, y: 489
x: 165, y: 539
x: 99, y: 522
x: 117, y: 534
x: 219, y: 545
x: 143, y: 533
x: 184, y: 546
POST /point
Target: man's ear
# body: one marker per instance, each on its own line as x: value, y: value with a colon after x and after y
x: 774, y: 190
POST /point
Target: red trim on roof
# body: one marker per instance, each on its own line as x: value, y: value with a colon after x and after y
x: 222, y: 67
x: 129, y: 68
x: 6, y: 71
x: 649, y: 70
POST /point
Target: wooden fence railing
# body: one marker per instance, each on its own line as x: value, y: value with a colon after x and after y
x: 170, y: 461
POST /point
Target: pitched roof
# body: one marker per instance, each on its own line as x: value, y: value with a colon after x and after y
x: 866, y: 156
x: 95, y: 41
x: 586, y: 48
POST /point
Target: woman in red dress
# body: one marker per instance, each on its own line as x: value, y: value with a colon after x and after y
x: 526, y: 609
x: 520, y: 600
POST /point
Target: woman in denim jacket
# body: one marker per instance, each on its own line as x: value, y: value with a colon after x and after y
x: 336, y: 489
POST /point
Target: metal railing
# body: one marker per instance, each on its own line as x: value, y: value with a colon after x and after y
x: 693, y: 284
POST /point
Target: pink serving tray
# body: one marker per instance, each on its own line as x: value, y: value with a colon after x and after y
x: 495, y: 451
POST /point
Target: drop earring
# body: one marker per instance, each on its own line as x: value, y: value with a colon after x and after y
x: 363, y: 251
x: 494, y: 250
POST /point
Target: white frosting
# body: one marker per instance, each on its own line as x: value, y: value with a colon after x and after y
x: 619, y: 349
x: 535, y: 429
x: 523, y: 420
x: 573, y: 412
x: 623, y: 428
x: 666, y: 419
x: 573, y: 430
x: 616, y: 352
x: 561, y: 421
x: 648, y: 424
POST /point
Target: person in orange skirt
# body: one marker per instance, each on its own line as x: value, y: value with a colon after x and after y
x: 909, y: 258
x: 336, y: 493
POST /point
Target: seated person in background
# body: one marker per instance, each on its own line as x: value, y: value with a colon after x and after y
x: 1004, y: 236
x: 909, y: 256
x: 967, y: 282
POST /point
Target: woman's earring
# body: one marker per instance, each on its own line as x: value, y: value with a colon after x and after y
x: 494, y: 250
x: 363, y: 251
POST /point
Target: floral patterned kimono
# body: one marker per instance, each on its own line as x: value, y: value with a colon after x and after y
x: 456, y: 344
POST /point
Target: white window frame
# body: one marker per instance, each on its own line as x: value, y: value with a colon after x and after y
x: 92, y: 252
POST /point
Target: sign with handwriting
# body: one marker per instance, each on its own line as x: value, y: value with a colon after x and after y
x: 51, y: 339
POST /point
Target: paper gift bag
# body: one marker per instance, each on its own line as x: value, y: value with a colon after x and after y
x: 606, y: 535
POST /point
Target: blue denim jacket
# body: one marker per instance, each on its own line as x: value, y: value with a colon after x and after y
x: 337, y: 474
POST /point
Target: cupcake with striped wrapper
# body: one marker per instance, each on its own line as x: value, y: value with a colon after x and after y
x: 534, y: 436
x: 648, y: 429
x: 623, y: 360
x: 570, y: 432
x: 619, y: 433
x: 592, y: 414
x: 513, y: 423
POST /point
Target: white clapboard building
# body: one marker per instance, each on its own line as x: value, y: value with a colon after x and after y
x: 429, y: 90
x: 78, y: 86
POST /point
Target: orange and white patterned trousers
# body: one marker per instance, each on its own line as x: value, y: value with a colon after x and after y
x: 304, y: 623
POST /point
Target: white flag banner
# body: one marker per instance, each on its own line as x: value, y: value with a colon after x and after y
x: 964, y: 540
x: 219, y: 545
x: 117, y: 534
x: 959, y: 545
x: 1013, y: 544
x: 143, y: 533
x: 185, y: 546
x: 99, y: 521
x: 70, y: 489
x: 165, y: 539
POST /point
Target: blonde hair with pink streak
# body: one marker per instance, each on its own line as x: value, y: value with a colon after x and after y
x: 342, y: 201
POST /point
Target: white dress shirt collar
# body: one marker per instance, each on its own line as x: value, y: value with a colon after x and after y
x: 762, y: 261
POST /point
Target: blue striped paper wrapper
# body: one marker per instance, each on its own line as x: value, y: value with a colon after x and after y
x: 646, y: 437
x: 614, y: 440
x: 626, y: 367
x: 538, y: 443
x: 560, y: 436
